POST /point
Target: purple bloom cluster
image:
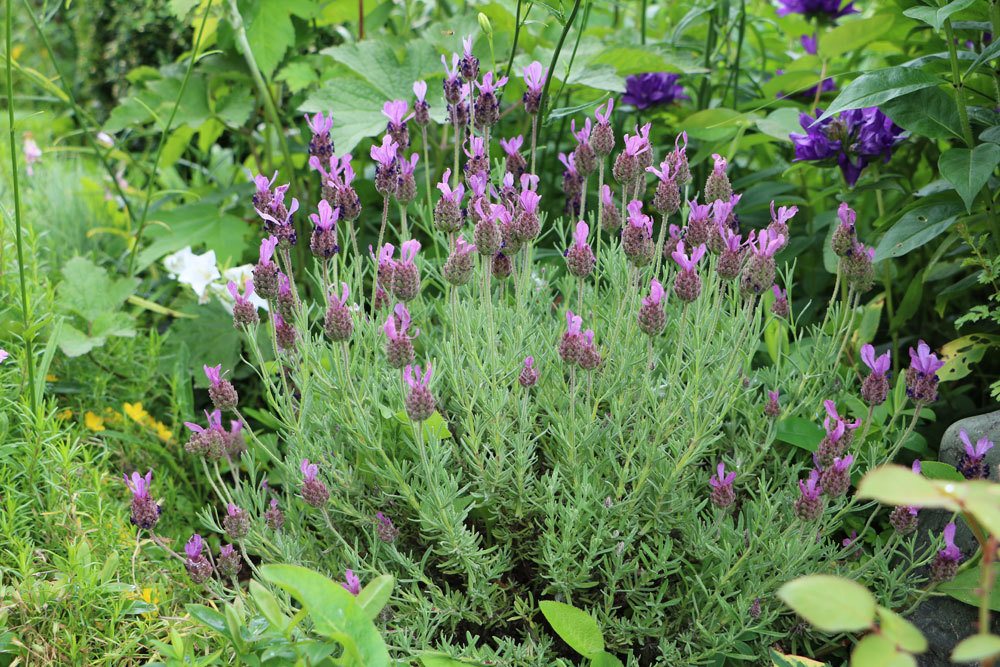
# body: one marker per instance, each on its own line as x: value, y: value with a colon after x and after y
x: 852, y: 140
x: 653, y: 89
x: 821, y: 10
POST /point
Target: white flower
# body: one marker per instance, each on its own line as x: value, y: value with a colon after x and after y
x: 198, y: 271
x: 3, y: 355
x: 105, y: 139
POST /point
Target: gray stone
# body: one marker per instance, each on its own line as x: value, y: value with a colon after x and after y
x: 945, y: 621
x: 952, y: 448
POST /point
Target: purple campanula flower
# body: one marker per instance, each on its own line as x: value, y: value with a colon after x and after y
x: 822, y: 10
x: 144, y: 510
x: 534, y: 82
x: 921, y: 376
x: 351, y: 582
x: 973, y: 463
x: 652, y: 89
x: 852, y: 140
x: 529, y: 374
x: 946, y: 562
x: 809, y: 505
x: 419, y: 402
x: 723, y: 494
x: 321, y: 145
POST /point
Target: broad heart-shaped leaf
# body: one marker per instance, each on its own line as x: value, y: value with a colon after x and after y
x: 829, y: 603
x: 379, y: 64
x: 976, y: 648
x: 982, y: 500
x: 374, y: 596
x: 896, y: 485
x: 930, y: 112
x: 854, y: 34
x: 935, y: 17
x: 916, y: 227
x: 878, y: 651
x: 968, y: 170
x: 87, y: 289
x: 905, y: 635
x: 874, y: 88
x: 269, y: 30
x: 965, y: 587
x: 334, y: 612
x: 938, y: 470
x: 574, y: 626
x: 195, y: 225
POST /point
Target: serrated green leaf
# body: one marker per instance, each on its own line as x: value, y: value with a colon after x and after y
x: 269, y: 31
x: 969, y: 170
x: 195, y: 225
x: 356, y: 106
x: 87, y: 289
x: 574, y: 626
x: 830, y: 604
x: 874, y: 88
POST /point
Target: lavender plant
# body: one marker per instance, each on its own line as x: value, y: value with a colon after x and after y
x: 494, y: 426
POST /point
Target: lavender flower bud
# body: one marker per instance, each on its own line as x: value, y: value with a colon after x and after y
x: 579, y: 257
x: 809, y: 505
x: 198, y: 567
x: 274, y: 517
x: 386, y: 531
x: 501, y: 266
x: 973, y: 462
x: 529, y: 374
x: 946, y: 562
x: 904, y: 519
x: 236, y: 523
x: 457, y: 269
x: 780, y: 305
x: 314, y: 491
x: 723, y: 494
x: 419, y: 402
x: 145, y: 512
x: 338, y: 324
x: 284, y: 334
x: 836, y: 478
x: 229, y: 562
x: 773, y: 407
x: 717, y: 186
x: 921, y: 376
x: 220, y: 391
x: 652, y: 318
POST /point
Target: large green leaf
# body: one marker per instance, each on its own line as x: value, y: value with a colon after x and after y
x: 969, y: 170
x: 874, y: 88
x: 574, y: 626
x: 934, y: 16
x: 976, y: 648
x: 966, y: 584
x: 800, y: 432
x: 853, y: 35
x: 879, y: 651
x: 374, y: 596
x: 903, y: 633
x: 269, y: 31
x: 87, y: 289
x: 830, y: 604
x: 378, y: 63
x: 195, y: 225
x: 930, y: 112
x: 917, y: 227
x: 356, y: 106
x: 334, y: 612
x: 896, y: 485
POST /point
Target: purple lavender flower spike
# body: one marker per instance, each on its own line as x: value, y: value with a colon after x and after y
x: 809, y: 505
x: 921, y: 376
x: 973, y: 462
x: 946, y: 562
x: 579, y: 256
x: 198, y: 567
x: 836, y: 478
x: 321, y: 145
x: 723, y: 494
x: 313, y: 491
x: 385, y: 529
x: 534, y: 82
x: 529, y: 374
x: 773, y: 407
x: 419, y: 402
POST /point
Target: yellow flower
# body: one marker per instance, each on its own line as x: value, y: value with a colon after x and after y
x: 51, y: 377
x: 150, y: 595
x: 136, y: 412
x: 93, y: 422
x: 64, y: 415
x: 162, y: 432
